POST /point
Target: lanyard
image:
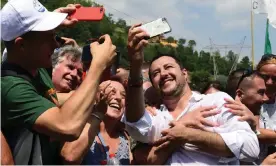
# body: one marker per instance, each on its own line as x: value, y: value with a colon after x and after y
x: 104, y: 146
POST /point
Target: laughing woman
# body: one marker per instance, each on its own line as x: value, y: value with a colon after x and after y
x: 111, y: 139
x: 104, y: 133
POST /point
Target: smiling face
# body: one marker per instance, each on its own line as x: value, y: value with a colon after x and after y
x: 167, y: 76
x: 67, y: 75
x: 116, y: 106
x: 268, y: 72
x: 253, y: 96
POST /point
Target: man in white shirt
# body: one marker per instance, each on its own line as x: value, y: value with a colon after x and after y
x: 225, y: 139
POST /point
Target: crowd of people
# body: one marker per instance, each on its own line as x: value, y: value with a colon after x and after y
x: 57, y: 111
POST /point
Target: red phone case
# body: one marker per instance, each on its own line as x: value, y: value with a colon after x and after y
x: 89, y: 13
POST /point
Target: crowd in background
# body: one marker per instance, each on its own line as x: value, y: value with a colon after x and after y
x: 59, y: 109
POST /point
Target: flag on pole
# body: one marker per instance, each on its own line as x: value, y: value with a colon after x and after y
x: 268, y: 49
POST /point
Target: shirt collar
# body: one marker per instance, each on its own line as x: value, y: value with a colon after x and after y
x: 196, y: 97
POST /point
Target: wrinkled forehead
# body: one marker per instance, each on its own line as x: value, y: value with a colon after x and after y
x: 68, y: 58
x: 162, y: 61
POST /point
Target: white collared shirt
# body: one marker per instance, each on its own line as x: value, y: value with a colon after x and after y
x: 267, y: 121
x: 268, y: 116
x: 237, y: 135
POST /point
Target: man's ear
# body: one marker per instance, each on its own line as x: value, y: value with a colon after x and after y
x: 239, y: 94
x: 19, y: 43
x: 184, y: 71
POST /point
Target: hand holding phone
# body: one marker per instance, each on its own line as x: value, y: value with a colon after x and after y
x: 157, y: 27
x: 88, y: 13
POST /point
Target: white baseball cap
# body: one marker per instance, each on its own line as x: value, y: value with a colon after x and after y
x: 21, y: 16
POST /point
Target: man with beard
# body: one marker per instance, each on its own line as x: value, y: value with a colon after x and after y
x: 225, y: 139
x: 248, y: 89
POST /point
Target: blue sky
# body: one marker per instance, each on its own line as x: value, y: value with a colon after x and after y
x: 226, y: 22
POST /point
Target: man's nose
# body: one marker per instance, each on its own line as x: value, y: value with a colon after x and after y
x: 74, y: 73
x: 265, y: 98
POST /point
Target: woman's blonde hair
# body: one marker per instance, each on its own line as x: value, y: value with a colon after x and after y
x: 266, y: 59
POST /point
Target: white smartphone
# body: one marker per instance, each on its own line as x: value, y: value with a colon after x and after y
x: 157, y: 27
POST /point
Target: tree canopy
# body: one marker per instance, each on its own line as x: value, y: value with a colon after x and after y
x: 199, y: 64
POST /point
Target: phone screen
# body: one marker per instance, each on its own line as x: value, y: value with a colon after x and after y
x: 157, y: 27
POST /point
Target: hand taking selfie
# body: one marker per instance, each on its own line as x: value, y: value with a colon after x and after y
x: 136, y: 43
x: 70, y: 8
x: 103, y: 54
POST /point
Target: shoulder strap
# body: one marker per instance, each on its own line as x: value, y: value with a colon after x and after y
x: 8, y: 69
x: 104, y: 145
x: 27, y: 150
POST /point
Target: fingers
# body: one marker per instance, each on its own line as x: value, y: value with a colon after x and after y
x: 135, y: 25
x: 106, y: 39
x: 206, y: 108
x: 233, y: 106
x: 75, y: 5
x: 143, y: 43
x: 172, y: 123
x: 273, y: 155
x: 244, y: 118
x: 104, y: 85
x: 68, y: 9
x: 133, y: 34
x: 209, y: 123
x: 231, y: 101
x: 162, y: 146
x: 151, y: 110
x: 210, y: 113
x: 237, y: 112
x: 160, y: 141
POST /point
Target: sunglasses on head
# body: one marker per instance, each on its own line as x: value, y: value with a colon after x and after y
x: 267, y: 57
x: 246, y: 73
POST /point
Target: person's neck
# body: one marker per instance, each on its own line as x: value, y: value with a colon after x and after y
x: 108, y: 126
x: 172, y: 102
x: 20, y: 62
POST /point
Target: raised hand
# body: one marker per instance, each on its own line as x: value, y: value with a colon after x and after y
x: 103, y: 97
x: 239, y: 109
x: 136, y: 43
x: 69, y: 41
x: 69, y: 9
x: 197, y: 118
x: 103, y: 54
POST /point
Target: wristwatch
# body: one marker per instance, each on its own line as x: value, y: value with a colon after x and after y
x: 257, y: 132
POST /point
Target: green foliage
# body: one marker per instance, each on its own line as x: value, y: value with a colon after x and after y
x: 200, y: 64
x: 170, y: 39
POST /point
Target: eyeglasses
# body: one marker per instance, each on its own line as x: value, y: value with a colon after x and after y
x: 267, y: 77
x: 246, y: 73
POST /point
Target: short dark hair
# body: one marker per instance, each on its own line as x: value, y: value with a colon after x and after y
x: 215, y: 84
x: 163, y: 55
x: 235, y: 80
